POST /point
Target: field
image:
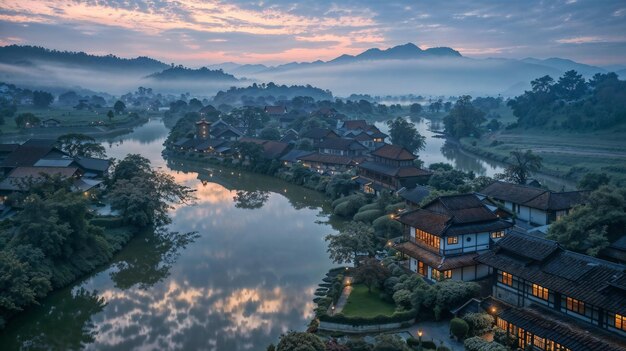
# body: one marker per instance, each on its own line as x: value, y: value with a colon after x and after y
x: 362, y: 303
x: 565, y: 154
x: 68, y: 116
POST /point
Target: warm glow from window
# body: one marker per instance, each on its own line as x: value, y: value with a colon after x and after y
x: 540, y: 292
x: 497, y: 235
x: 428, y: 239
x: 506, y: 278
x: 453, y: 240
x: 620, y: 322
x: 575, y: 305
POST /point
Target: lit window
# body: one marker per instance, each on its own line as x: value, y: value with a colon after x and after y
x: 447, y: 274
x: 421, y: 268
x: 428, y: 239
x: 540, y: 292
x: 620, y: 322
x: 436, y: 274
x: 453, y: 240
x: 539, y: 342
x: 502, y: 324
x: 506, y: 278
x: 575, y: 305
x: 497, y: 235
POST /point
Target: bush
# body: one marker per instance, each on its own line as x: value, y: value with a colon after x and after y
x: 397, y: 317
x: 502, y: 337
x: 350, y: 207
x: 479, y: 323
x: 477, y: 343
x: 367, y: 216
x: 402, y: 298
x: 458, y: 328
x: 373, y: 206
x: 395, y: 207
x: 389, y: 227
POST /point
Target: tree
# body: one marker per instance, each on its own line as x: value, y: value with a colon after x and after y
x: 110, y: 115
x: 299, y: 341
x: 590, y: 227
x: 119, y: 107
x: 390, y: 342
x: 464, y: 119
x: 145, y: 198
x: 270, y: 133
x: 42, y: 99
x: 415, y: 109
x: 354, y: 239
x: 249, y: 118
x: 80, y: 145
x: 404, y: 133
x: 523, y: 165
x: 571, y: 86
x: 458, y: 328
x: 371, y: 273
x: 592, y: 181
x: 26, y: 120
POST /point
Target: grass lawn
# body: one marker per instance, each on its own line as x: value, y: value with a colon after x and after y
x: 362, y: 303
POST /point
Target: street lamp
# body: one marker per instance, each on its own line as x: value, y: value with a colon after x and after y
x: 419, y: 334
x: 333, y: 310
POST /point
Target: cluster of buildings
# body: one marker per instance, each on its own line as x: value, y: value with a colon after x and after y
x: 23, y: 164
x: 353, y: 146
x: 544, y: 296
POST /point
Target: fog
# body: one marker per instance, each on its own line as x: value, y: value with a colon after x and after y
x: 445, y: 76
x: 427, y: 77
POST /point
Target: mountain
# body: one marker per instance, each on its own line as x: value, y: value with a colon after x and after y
x: 36, y: 56
x: 189, y: 74
x: 401, y: 52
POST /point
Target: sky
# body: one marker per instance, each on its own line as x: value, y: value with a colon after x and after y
x: 195, y: 32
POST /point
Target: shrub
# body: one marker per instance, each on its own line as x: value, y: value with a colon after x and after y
x: 367, y: 216
x: 502, y: 337
x: 300, y: 341
x: 477, y: 343
x: 384, y: 224
x: 479, y: 323
x: 458, y: 328
x: 397, y: 317
x: 358, y: 344
x: 350, y: 207
x: 395, y: 207
x: 402, y: 298
x: 372, y: 206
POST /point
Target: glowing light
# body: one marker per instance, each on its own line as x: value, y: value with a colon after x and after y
x: 420, y: 333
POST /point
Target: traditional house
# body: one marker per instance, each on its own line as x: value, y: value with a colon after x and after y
x: 332, y: 164
x: 555, y: 299
x: 290, y: 136
x: 353, y: 125
x: 28, y: 153
x: 533, y: 205
x: 391, y: 168
x: 443, y: 238
x: 293, y: 157
x: 342, y: 147
x: 21, y: 178
x: 414, y: 196
x: 271, y: 149
x: 50, y: 122
x: 317, y: 135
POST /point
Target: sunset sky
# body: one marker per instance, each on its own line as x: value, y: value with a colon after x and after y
x: 194, y: 32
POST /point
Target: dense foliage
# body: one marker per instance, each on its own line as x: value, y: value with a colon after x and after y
x: 190, y: 74
x: 403, y: 133
x: 354, y: 239
x: 521, y: 166
x: 464, y: 119
x: 572, y: 103
x: 80, y: 145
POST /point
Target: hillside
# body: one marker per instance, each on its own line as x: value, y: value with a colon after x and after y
x: 234, y: 96
x: 189, y: 74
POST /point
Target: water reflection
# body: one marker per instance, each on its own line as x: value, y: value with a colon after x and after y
x: 250, y: 199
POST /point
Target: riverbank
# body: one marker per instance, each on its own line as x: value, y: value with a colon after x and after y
x: 565, y: 155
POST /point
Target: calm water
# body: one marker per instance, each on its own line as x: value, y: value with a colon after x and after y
x: 247, y: 276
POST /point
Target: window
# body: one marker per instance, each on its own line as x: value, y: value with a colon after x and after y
x: 428, y: 239
x: 539, y: 342
x: 502, y: 324
x: 438, y: 274
x: 575, y: 305
x: 620, y: 322
x: 497, y: 235
x: 540, y: 292
x: 421, y: 268
x: 506, y: 278
x: 453, y: 240
x: 447, y: 274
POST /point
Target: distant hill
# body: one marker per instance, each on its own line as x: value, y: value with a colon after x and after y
x: 189, y: 74
x: 401, y: 52
x: 564, y: 65
x: 35, y: 55
x: 234, y: 96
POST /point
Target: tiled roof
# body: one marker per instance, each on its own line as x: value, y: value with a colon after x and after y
x: 293, y: 155
x: 533, y: 197
x: 355, y: 124
x: 329, y: 159
x: 15, y: 180
x: 275, y: 110
x: 415, y: 195
x: 434, y: 260
x: 318, y: 133
x: 30, y: 152
x: 394, y: 152
x: 341, y: 144
x: 405, y: 171
x: 561, y: 329
x: 4, y: 148
x: 463, y: 208
x: 91, y: 163
x: 431, y: 222
x: 544, y: 262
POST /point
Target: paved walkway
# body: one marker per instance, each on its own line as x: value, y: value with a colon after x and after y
x: 437, y: 332
x: 343, y: 298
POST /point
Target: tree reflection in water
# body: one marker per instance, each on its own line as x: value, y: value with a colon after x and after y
x: 250, y: 199
x: 148, y: 258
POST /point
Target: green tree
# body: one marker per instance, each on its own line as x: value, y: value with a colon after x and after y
x: 269, y: 133
x: 249, y: 118
x: 415, y: 109
x: 459, y: 328
x: 404, y: 133
x: 354, y: 239
x: 590, y: 227
x: 299, y: 341
x: 464, y: 119
x: 110, y: 115
x: 571, y: 86
x: 119, y: 107
x: 523, y: 164
x: 390, y: 342
x: 42, y: 99
x: 592, y: 181
x: 80, y: 145
x: 24, y: 120
x: 371, y: 273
